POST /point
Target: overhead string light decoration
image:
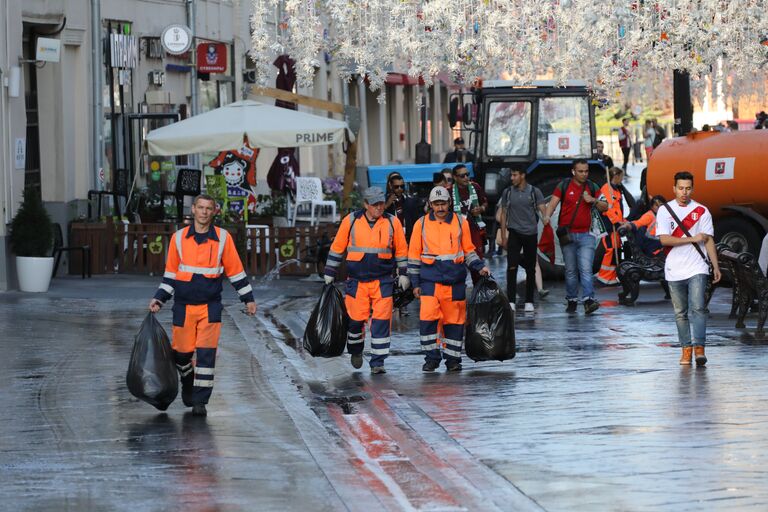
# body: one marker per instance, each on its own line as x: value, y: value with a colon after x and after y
x: 609, y: 45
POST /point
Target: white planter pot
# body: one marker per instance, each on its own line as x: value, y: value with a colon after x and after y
x: 34, y: 273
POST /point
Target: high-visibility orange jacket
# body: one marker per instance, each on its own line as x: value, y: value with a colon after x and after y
x: 615, y: 211
x: 648, y: 219
x: 196, y: 265
x: 439, y: 250
x: 373, y: 252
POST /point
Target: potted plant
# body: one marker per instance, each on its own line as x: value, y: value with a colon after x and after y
x: 31, y: 239
x: 273, y: 206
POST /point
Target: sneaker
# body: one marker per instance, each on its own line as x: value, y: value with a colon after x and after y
x: 528, y: 307
x: 357, y: 361
x: 572, y: 304
x: 430, y: 366
x: 453, y: 366
x: 375, y: 370
x: 512, y: 305
x: 543, y: 293
x: 199, y: 410
x: 590, y: 306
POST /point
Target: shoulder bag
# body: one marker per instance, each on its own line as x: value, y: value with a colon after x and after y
x: 564, y: 232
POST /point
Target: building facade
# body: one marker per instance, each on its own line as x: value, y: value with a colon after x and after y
x: 67, y: 126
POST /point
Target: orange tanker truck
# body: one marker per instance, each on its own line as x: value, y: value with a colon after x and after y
x: 730, y: 173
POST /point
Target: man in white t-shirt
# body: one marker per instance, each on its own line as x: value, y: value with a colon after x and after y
x: 685, y: 269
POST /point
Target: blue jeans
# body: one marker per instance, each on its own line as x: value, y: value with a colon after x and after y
x: 690, y: 309
x: 578, y: 256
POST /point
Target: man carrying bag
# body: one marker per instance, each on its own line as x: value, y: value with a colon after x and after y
x: 578, y: 197
x: 687, y: 268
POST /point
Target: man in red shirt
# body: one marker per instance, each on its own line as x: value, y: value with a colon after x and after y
x: 578, y: 196
x: 469, y: 200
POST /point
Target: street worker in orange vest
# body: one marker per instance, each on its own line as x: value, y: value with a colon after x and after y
x: 375, y: 244
x: 199, y: 256
x: 440, y: 250
x: 611, y: 193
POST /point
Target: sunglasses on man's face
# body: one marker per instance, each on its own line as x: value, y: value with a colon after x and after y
x: 398, y: 186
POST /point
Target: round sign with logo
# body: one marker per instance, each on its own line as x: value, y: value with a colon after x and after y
x: 176, y: 39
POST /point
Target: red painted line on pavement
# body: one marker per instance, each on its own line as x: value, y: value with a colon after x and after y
x: 387, y: 466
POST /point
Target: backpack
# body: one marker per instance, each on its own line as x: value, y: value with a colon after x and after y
x: 506, y: 198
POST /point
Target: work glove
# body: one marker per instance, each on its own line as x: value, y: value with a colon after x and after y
x: 328, y: 279
x: 404, y: 282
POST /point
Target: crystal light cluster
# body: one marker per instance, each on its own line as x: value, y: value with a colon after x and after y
x: 609, y: 44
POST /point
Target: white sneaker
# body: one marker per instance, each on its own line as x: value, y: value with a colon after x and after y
x: 528, y: 307
x: 512, y: 305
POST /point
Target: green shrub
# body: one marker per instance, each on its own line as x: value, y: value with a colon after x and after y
x: 31, y: 228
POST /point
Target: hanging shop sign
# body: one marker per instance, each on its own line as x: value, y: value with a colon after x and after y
x: 212, y: 57
x: 176, y: 39
x: 125, y: 50
x: 48, y: 50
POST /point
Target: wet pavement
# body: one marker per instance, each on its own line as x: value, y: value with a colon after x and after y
x: 593, y: 414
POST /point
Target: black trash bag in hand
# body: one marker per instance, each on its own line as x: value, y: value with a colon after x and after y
x: 326, y: 332
x: 491, y: 323
x: 152, y: 374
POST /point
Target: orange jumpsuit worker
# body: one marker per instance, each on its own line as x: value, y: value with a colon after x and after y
x: 198, y: 258
x: 611, y: 193
x: 375, y: 244
x: 440, y: 249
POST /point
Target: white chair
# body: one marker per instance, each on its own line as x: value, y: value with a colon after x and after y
x: 310, y: 191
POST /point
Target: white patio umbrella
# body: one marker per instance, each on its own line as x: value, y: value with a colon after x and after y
x: 264, y: 125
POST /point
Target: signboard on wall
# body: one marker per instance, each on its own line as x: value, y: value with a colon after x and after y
x: 212, y: 57
x: 176, y: 39
x: 20, y: 153
x: 48, y: 50
x: 125, y: 51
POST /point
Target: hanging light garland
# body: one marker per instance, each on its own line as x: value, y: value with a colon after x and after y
x: 610, y: 44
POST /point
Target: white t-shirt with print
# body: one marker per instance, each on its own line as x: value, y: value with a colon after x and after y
x: 684, y: 261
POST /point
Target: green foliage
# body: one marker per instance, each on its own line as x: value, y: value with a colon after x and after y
x: 609, y: 119
x: 31, y: 228
x: 271, y: 205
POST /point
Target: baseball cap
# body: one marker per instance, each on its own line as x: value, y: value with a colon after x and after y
x: 374, y: 195
x: 439, y: 193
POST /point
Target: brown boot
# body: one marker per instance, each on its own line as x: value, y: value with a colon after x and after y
x: 685, y: 359
x: 701, y: 359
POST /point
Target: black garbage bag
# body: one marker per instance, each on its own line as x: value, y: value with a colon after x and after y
x: 401, y: 298
x: 152, y: 374
x: 491, y: 323
x: 326, y: 332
